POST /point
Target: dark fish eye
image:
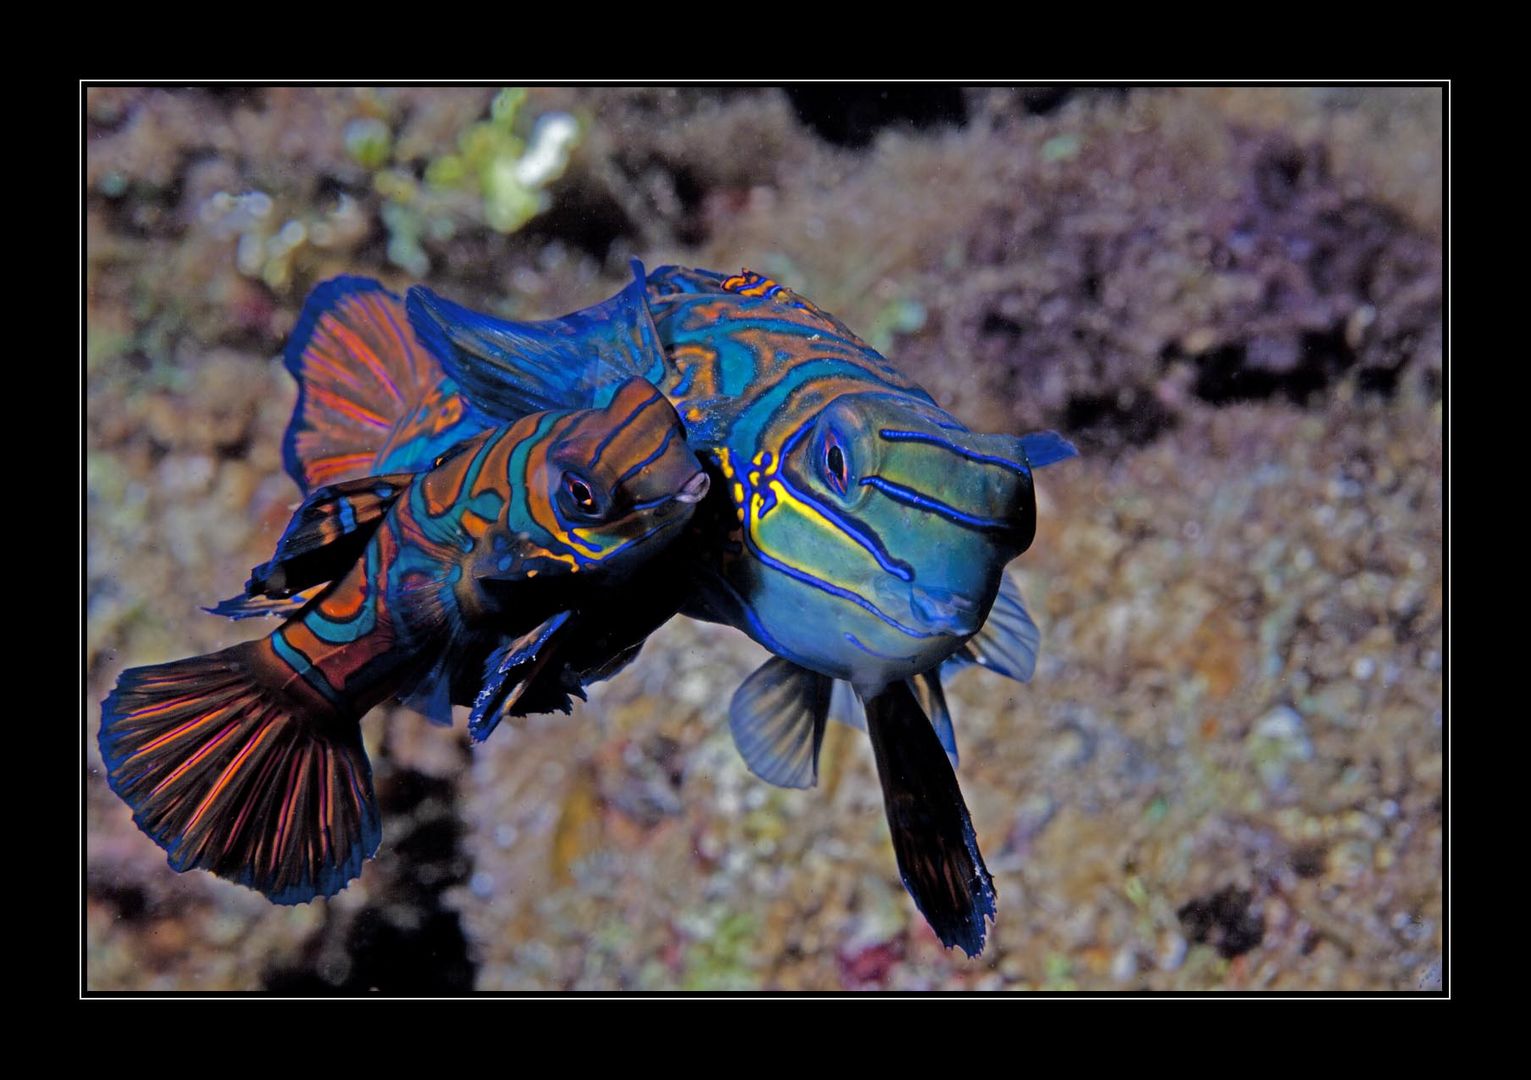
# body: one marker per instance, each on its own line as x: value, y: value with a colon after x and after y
x: 580, y: 492
x: 834, y: 464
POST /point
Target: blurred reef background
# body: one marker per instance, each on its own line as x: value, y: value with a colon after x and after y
x: 1227, y: 773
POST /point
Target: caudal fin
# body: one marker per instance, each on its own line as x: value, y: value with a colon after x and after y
x: 933, y: 835
x: 362, y: 376
x: 228, y: 773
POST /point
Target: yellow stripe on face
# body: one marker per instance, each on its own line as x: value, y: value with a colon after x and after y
x: 581, y: 540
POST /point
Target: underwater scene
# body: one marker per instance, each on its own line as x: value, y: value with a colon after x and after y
x: 873, y: 538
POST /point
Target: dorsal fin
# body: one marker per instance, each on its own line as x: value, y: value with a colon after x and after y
x: 670, y: 280
x: 510, y: 369
x: 327, y: 534
x: 361, y: 373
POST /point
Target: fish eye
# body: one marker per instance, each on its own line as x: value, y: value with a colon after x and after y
x: 580, y: 493
x: 834, y: 464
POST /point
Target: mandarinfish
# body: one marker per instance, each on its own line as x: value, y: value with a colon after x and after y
x: 443, y: 585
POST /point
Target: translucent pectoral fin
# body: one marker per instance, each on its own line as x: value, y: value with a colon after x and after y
x: 1007, y: 643
x: 845, y: 708
x: 777, y: 718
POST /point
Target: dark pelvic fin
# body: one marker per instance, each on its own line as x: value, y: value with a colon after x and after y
x: 777, y: 717
x: 511, y: 369
x: 254, y: 607
x: 1006, y: 643
x: 926, y: 688
x: 512, y: 686
x: 933, y: 836
x: 360, y: 373
x: 327, y: 535
x: 228, y: 774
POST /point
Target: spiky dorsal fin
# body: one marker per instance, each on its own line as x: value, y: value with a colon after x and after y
x: 257, y: 607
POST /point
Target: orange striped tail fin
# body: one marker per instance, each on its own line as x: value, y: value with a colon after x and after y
x: 228, y: 772
x: 362, y: 376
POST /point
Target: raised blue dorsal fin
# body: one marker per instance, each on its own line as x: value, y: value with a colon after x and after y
x: 777, y: 717
x: 510, y: 369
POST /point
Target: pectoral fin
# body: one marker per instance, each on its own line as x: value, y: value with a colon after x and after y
x: 845, y: 707
x: 777, y: 718
x: 431, y: 695
x: 1007, y: 642
x: 1046, y: 448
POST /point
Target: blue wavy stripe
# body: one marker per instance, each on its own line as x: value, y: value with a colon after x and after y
x: 910, y: 497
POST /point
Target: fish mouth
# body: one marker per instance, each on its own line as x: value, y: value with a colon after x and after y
x: 945, y: 611
x: 695, y: 490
